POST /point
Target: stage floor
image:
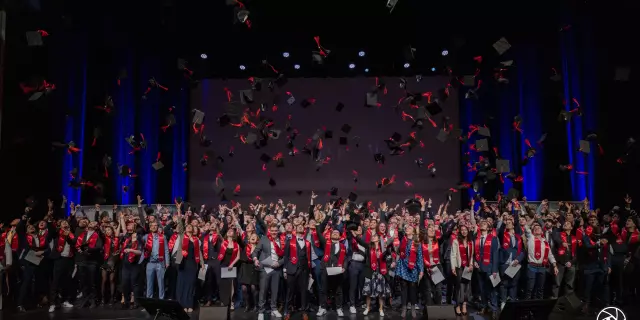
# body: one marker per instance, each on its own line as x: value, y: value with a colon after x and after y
x: 107, y: 313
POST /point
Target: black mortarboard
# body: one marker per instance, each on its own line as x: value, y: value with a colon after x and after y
x: 565, y: 115
x: 442, y: 135
x: 265, y: 158
x: 513, y: 194
x: 396, y: 137
x: 585, y: 147
x: 224, y: 120
x: 34, y: 38
x: 343, y: 141
x: 246, y: 96
x: 371, y: 99
x: 182, y: 64
x: 484, y: 131
x: 272, y: 182
x: 353, y: 197
x: 433, y: 109
x: 379, y: 158
x: 106, y: 160
x: 299, y: 192
x: 157, y: 165
x: 328, y: 134
x: 622, y: 74
x: 124, y: 170
x: 280, y: 163
x: 346, y: 128
x: 502, y: 166
x: 198, y: 116
x: 501, y: 46
x: 333, y: 191
x: 305, y: 103
x: 339, y: 106
x: 482, y: 145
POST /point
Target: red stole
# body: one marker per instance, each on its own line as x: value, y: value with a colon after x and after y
x: 205, y: 245
x: 109, y: 244
x: 464, y: 253
x: 579, y: 236
x: 328, y: 253
x: 506, y: 241
x: 625, y: 235
x: 367, y: 236
x: 293, y: 250
x: 248, y: 250
x: 413, y: 255
x: 486, y: 250
x: 574, y: 244
x: 537, y: 250
x: 130, y: 256
x: 275, y: 245
x: 375, y: 261
x: 92, y: 240
x: 61, y: 242
x: 41, y: 240
x: 185, y: 247
x: 148, y: 247
x: 13, y: 242
x: 223, y: 250
x: 314, y: 237
x: 434, y: 253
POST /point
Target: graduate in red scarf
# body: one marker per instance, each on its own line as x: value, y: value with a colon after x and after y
x: 192, y: 261
x: 111, y: 254
x: 486, y: 258
x: 378, y: 258
x: 511, y: 255
x: 88, y: 255
x: 37, y: 242
x: 432, y: 260
x: 565, y: 250
x: 461, y: 260
x: 269, y: 257
x: 315, y: 230
x: 297, y: 267
x: 249, y: 275
x: 335, y: 259
x: 130, y: 253
x: 540, y: 259
x: 229, y: 256
x: 211, y: 241
x: 410, y: 269
x: 156, y: 254
x: 597, y: 267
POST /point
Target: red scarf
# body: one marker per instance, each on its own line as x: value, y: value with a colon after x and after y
x: 13, y: 242
x: 314, y: 237
x: 376, y: 259
x: 130, y: 256
x: 293, y: 250
x: 205, y: 245
x: 92, y: 240
x: 62, y: 240
x: 537, y: 250
x: 574, y: 244
x: 41, y: 240
x: 579, y: 236
x: 148, y: 247
x: 185, y: 247
x: 328, y: 253
x: 625, y: 235
x: 434, y: 253
x: 486, y: 251
x: 464, y: 253
x: 109, y: 244
x: 275, y: 245
x: 506, y: 241
x: 223, y: 250
x: 248, y: 250
x: 413, y: 255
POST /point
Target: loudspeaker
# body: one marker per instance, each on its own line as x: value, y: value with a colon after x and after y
x: 164, y: 309
x: 213, y: 313
x: 439, y: 312
x: 528, y: 310
x: 568, y: 305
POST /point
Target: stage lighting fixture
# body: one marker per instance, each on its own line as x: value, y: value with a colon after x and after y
x: 203, y: 56
x: 285, y: 54
x: 366, y: 70
x: 433, y: 69
x: 445, y: 52
x: 351, y: 66
x: 296, y: 66
x: 407, y: 65
x: 361, y: 53
x: 242, y: 67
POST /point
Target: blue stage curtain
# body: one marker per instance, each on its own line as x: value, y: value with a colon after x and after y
x: 124, y: 126
x: 580, y: 87
x: 180, y: 135
x: 148, y: 122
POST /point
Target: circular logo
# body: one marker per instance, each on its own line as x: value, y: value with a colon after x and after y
x: 611, y: 313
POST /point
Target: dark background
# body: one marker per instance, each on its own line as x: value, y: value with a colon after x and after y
x: 371, y: 125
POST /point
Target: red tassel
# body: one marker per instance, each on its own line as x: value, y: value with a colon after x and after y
x: 226, y: 90
x: 42, y: 33
x: 237, y: 189
x: 158, y: 157
x: 526, y: 141
x: 478, y: 59
x: 408, y: 184
x: 320, y: 48
x: 600, y: 149
x: 95, y: 140
x: 264, y: 167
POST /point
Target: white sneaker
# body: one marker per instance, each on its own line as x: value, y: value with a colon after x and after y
x: 352, y: 309
x: 340, y: 313
x: 66, y: 304
x: 276, y: 314
x: 321, y: 312
x: 52, y: 308
x: 261, y: 316
x: 381, y: 313
x: 365, y: 312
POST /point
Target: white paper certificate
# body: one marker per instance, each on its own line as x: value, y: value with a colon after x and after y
x: 512, y: 270
x: 226, y: 274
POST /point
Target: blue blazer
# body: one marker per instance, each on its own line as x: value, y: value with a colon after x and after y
x: 595, y: 258
x: 492, y: 267
x: 512, y: 250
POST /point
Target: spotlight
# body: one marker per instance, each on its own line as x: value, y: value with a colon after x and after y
x: 433, y: 69
x: 203, y: 56
x: 445, y: 52
x: 296, y: 66
x: 242, y: 67
x: 366, y: 70
x: 407, y: 65
x: 351, y: 66
x: 361, y: 53
x: 285, y: 54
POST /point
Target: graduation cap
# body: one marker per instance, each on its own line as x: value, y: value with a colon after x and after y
x: 482, y: 145
x: 352, y: 197
x: 565, y: 115
x: 346, y: 128
x: 34, y: 38
x: 124, y: 170
x: 157, y: 165
x: 272, y: 182
x: 371, y: 99
x: 502, y: 45
x: 339, y: 106
x: 343, y: 141
x: 502, y: 166
x: 469, y: 80
x: 246, y: 96
x: 198, y: 116
x: 333, y: 191
x: 379, y: 158
x: 585, y: 146
x: 484, y: 131
x: 622, y: 74
x: 442, y: 135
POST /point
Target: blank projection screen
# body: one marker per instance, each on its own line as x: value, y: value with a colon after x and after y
x: 298, y: 177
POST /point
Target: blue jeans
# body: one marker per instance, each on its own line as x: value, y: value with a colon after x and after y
x: 535, y: 282
x: 155, y: 270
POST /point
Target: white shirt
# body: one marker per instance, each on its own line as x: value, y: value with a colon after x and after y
x: 301, y: 242
x: 336, y: 248
x: 274, y: 255
x: 356, y: 255
x: 531, y: 254
x: 89, y: 233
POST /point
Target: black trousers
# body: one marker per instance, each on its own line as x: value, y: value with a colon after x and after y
x: 28, y: 273
x: 432, y: 293
x: 408, y: 292
x: 617, y: 276
x: 595, y: 283
x: 61, y: 280
x: 172, y: 281
x: 450, y: 280
x: 297, y: 285
x: 212, y: 280
x: 566, y: 276
x: 130, y: 273
x: 331, y: 283
x: 87, y: 272
x: 356, y: 282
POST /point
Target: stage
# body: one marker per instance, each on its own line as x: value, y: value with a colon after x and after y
x: 108, y: 313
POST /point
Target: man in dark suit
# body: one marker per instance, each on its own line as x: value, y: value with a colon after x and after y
x: 297, y: 254
x: 269, y: 249
x: 486, y: 261
x: 335, y: 256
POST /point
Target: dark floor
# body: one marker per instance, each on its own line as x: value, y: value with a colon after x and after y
x: 105, y: 313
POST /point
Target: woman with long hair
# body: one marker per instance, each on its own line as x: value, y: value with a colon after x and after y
x: 410, y: 270
x: 249, y: 275
x: 130, y: 255
x: 188, y: 268
x: 431, y: 255
x: 111, y: 254
x: 228, y: 257
x: 461, y: 261
x: 375, y: 269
